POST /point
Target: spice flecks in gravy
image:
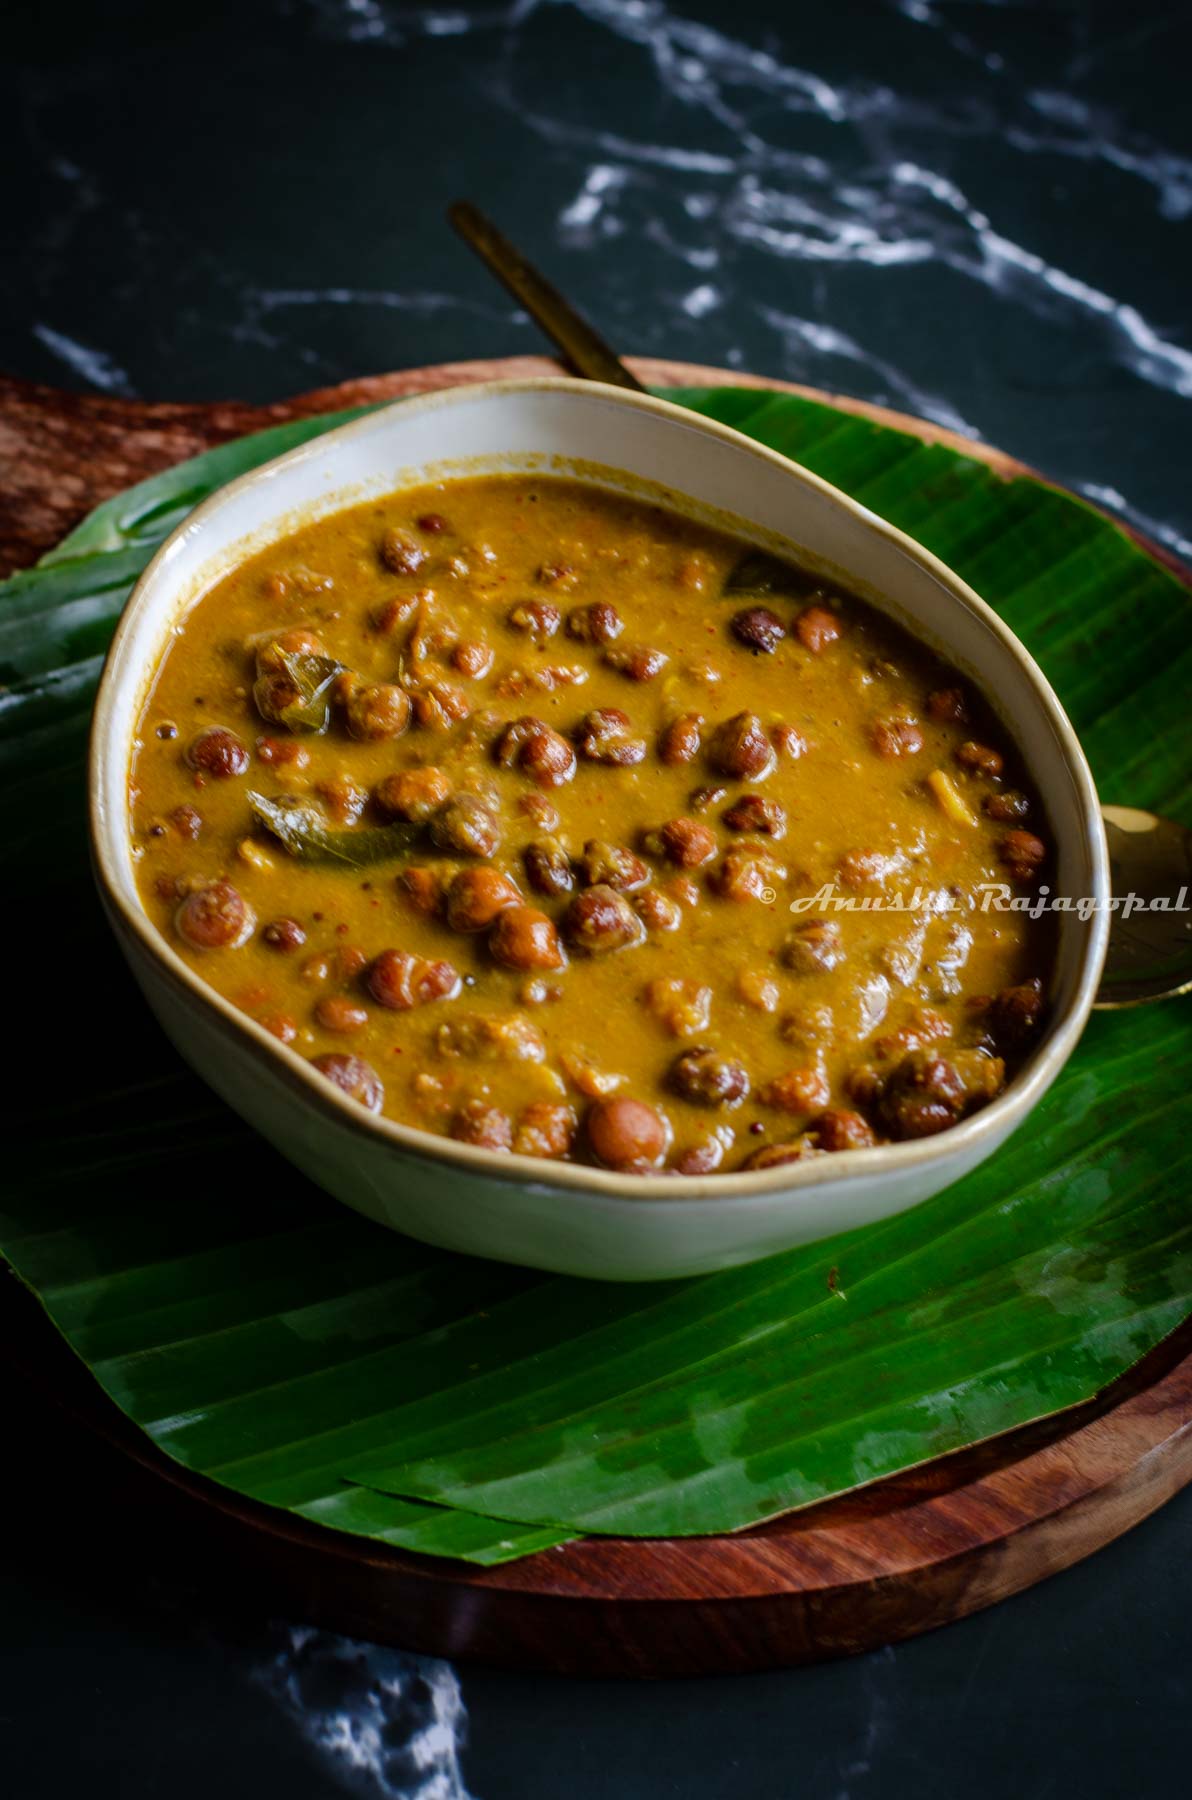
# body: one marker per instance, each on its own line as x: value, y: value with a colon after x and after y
x: 493, y: 798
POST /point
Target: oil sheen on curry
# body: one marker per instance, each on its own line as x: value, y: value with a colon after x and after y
x: 497, y: 801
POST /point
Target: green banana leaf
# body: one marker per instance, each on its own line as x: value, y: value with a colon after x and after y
x: 273, y: 1341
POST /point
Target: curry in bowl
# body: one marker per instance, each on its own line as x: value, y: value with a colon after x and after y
x: 561, y: 823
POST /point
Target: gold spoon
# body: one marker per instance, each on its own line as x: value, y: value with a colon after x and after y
x: 1150, y: 953
x: 1150, y: 858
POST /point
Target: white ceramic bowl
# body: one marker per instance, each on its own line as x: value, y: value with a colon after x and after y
x: 565, y: 1216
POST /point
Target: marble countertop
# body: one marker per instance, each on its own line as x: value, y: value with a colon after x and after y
x: 975, y: 210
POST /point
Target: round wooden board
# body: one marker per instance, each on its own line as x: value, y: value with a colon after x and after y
x: 880, y: 1564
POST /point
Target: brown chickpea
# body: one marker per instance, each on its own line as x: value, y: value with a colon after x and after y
x: 604, y: 736
x: 612, y: 865
x: 282, y: 753
x: 283, y: 935
x: 271, y: 651
x: 980, y: 759
x: 335, y: 1012
x: 947, y: 706
x: 1008, y: 808
x: 214, y: 917
x: 400, y: 554
x: 788, y: 742
x: 681, y: 1007
x: 541, y: 753
x: 472, y: 658
x: 1013, y: 1016
x: 524, y: 938
x: 859, y: 869
x: 626, y: 1134
x: 894, y: 737
x: 797, y: 1091
x: 1022, y: 852
x: 740, y: 747
x: 420, y: 887
x: 376, y: 710
x: 836, y: 1130
x: 687, y: 843
x: 354, y: 1077
x: 467, y: 825
x: 600, y: 920
x: 758, y: 629
x: 813, y: 948
x: 538, y: 619
x: 548, y: 867
x: 637, y: 662
x: 598, y: 623
x: 412, y: 794
x: 392, y: 614
x: 771, y: 1156
x: 274, y: 696
x: 684, y: 891
x: 217, y: 752
x: 475, y: 896
x: 865, y: 1084
x: 708, y: 1078
x: 399, y: 981
x: 752, y: 813
x: 348, y: 961
x: 438, y: 980
x: 747, y: 872
x: 439, y: 706
x: 279, y: 1025
x: 928, y: 1092
x: 343, y: 799
x: 757, y: 989
x: 809, y: 1027
x: 816, y: 628
x: 486, y: 1126
x: 700, y: 1158
x: 658, y: 912
x: 544, y: 1128
x: 187, y: 822
x: 680, y: 740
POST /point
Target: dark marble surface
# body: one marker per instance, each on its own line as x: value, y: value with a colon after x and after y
x: 973, y: 209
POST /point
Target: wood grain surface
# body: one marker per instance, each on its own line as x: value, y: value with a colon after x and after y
x: 880, y: 1564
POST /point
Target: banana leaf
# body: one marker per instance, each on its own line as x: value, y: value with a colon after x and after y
x: 275, y: 1342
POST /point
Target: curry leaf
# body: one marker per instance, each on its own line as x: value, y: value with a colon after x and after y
x: 301, y: 700
x: 305, y: 833
x: 758, y: 573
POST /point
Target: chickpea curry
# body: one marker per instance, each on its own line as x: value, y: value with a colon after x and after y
x: 523, y: 810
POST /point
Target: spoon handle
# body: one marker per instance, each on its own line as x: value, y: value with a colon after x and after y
x: 582, y: 348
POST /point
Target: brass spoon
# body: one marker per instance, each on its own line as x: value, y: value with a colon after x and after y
x: 1150, y: 953
x: 1150, y: 858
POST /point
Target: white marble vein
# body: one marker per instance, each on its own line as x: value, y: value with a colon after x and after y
x: 817, y: 342
x: 390, y: 1725
x: 866, y: 206
x: 94, y: 366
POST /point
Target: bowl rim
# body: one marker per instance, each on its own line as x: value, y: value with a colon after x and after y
x: 656, y: 1188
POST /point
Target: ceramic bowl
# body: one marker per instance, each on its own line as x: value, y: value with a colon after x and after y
x: 565, y: 1216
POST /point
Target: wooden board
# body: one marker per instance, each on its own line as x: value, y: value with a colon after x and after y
x: 884, y: 1563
